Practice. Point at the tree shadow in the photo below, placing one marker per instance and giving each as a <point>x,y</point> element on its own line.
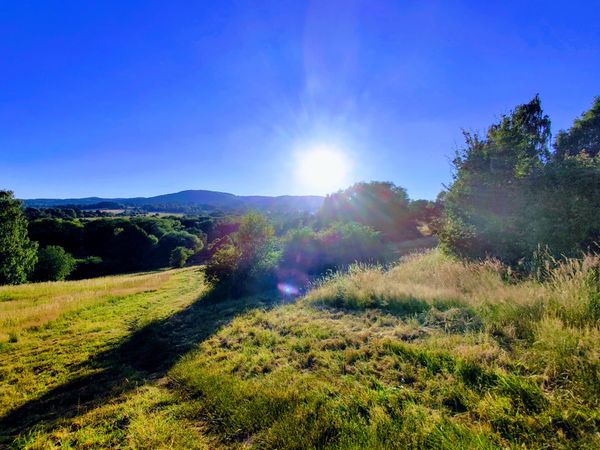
<point>147,354</point>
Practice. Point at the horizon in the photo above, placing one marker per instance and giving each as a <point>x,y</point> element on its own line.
<point>101,197</point>
<point>117,100</point>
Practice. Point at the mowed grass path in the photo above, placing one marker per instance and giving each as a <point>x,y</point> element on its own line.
<point>74,348</point>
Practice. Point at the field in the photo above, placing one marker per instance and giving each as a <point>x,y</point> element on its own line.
<point>432,353</point>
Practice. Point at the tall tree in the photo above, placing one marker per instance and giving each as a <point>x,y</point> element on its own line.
<point>17,252</point>
<point>583,136</point>
<point>485,204</point>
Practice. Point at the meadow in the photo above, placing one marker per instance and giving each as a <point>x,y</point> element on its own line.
<point>431,352</point>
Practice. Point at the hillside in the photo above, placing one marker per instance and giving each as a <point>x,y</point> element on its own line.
<point>199,198</point>
<point>432,353</point>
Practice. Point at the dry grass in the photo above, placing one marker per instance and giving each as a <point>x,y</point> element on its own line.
<point>31,306</point>
<point>432,353</point>
<point>432,279</point>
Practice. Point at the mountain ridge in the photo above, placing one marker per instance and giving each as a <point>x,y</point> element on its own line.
<point>193,198</point>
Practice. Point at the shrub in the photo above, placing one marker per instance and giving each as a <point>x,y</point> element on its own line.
<point>245,261</point>
<point>89,267</point>
<point>223,263</point>
<point>339,245</point>
<point>54,264</point>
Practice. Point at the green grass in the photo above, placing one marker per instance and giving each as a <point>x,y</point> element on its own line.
<point>431,353</point>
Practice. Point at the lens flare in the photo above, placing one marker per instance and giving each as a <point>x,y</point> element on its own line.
<point>287,289</point>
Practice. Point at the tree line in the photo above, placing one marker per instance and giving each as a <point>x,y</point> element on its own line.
<point>52,246</point>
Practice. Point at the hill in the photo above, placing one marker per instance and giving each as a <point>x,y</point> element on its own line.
<point>432,353</point>
<point>195,198</point>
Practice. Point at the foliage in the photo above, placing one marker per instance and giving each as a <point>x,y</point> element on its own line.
<point>54,264</point>
<point>583,136</point>
<point>382,206</point>
<point>179,256</point>
<point>113,245</point>
<point>89,267</point>
<point>173,239</point>
<point>131,247</point>
<point>245,261</point>
<point>511,195</point>
<point>224,263</point>
<point>338,245</point>
<point>67,234</point>
<point>17,252</point>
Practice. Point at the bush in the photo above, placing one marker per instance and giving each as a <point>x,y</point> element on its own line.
<point>245,261</point>
<point>54,264</point>
<point>223,264</point>
<point>339,245</point>
<point>179,256</point>
<point>89,267</point>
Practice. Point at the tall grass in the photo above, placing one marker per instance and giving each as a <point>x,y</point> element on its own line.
<point>431,280</point>
<point>432,352</point>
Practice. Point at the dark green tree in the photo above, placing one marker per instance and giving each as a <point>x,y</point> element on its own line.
<point>486,202</point>
<point>246,260</point>
<point>54,264</point>
<point>179,256</point>
<point>17,252</point>
<point>170,241</point>
<point>583,136</point>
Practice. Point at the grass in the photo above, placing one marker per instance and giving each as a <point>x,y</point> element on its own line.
<point>29,307</point>
<point>69,333</point>
<point>430,353</point>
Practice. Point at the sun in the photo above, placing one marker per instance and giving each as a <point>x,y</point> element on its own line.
<point>322,169</point>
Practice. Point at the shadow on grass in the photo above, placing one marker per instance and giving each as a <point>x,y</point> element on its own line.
<point>147,354</point>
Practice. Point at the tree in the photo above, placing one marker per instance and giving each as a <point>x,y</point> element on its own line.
<point>486,203</point>
<point>511,196</point>
<point>382,206</point>
<point>132,247</point>
<point>583,136</point>
<point>179,256</point>
<point>54,264</point>
<point>174,239</point>
<point>245,261</point>
<point>67,234</point>
<point>253,237</point>
<point>17,252</point>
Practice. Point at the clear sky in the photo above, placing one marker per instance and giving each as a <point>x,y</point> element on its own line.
<point>138,98</point>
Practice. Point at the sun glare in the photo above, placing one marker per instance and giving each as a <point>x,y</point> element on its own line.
<point>322,170</point>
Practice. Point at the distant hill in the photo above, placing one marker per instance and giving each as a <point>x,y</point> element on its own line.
<point>193,198</point>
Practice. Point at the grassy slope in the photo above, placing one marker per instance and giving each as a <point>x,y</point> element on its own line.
<point>431,353</point>
<point>70,360</point>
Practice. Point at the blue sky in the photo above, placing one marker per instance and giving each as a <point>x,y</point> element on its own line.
<point>139,98</point>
